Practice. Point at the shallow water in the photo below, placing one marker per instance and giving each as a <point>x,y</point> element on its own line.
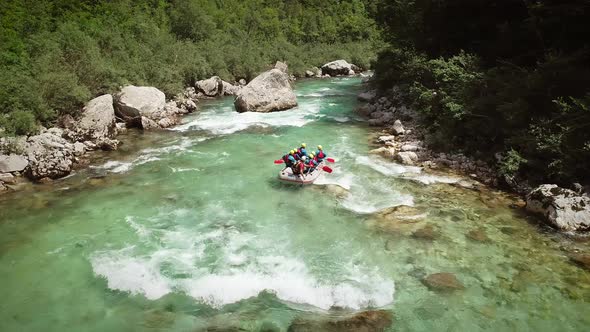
<point>189,229</point>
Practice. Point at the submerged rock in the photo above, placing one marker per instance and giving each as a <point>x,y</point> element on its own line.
<point>426,233</point>
<point>268,92</point>
<point>478,235</point>
<point>561,208</point>
<point>442,282</point>
<point>366,321</point>
<point>582,260</point>
<point>339,68</point>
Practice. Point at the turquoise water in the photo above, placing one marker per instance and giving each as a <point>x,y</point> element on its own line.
<point>189,230</point>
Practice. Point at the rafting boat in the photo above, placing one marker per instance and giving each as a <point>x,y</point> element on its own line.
<point>288,176</point>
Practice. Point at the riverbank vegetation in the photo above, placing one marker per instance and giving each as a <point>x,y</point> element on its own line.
<point>506,81</point>
<point>56,55</point>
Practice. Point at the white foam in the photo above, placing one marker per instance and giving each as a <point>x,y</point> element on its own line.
<point>343,180</point>
<point>291,281</point>
<point>227,121</point>
<point>130,274</point>
<point>432,178</point>
<point>245,268</point>
<point>386,167</point>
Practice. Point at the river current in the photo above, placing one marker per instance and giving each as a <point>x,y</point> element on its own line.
<point>189,229</point>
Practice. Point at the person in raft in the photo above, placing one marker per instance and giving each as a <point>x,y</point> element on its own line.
<point>312,163</point>
<point>289,159</point>
<point>299,167</point>
<point>302,151</point>
<point>320,154</point>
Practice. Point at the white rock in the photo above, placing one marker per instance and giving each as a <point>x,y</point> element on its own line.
<point>136,102</point>
<point>12,163</point>
<point>339,68</point>
<point>409,147</point>
<point>211,87</point>
<point>385,139</point>
<point>561,208</point>
<point>388,152</point>
<point>406,158</point>
<point>397,128</point>
<point>96,122</point>
<point>268,92</point>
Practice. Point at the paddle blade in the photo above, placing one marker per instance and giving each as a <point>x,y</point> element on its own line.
<point>327,169</point>
<point>280,161</point>
<point>331,160</point>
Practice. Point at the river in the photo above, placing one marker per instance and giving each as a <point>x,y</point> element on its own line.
<point>189,229</point>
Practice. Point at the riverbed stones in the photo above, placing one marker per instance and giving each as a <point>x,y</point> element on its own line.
<point>366,321</point>
<point>339,68</point>
<point>387,152</point>
<point>561,208</point>
<point>442,282</point>
<point>268,92</point>
<point>96,122</point>
<point>12,163</point>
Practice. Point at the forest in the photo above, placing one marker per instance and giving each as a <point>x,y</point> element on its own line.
<point>505,81</point>
<point>57,54</point>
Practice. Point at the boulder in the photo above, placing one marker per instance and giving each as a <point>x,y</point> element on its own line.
<point>7,178</point>
<point>268,92</point>
<point>397,128</point>
<point>386,138</point>
<point>309,73</point>
<point>366,321</point>
<point>281,66</point>
<point>136,102</point>
<point>96,123</point>
<point>582,260</point>
<point>12,163</point>
<point>230,89</point>
<point>442,282</point>
<point>407,157</point>
<point>147,123</point>
<point>339,68</point>
<point>242,82</point>
<point>561,208</point>
<point>367,96</point>
<point>425,233</point>
<point>211,87</point>
<point>50,156</point>
<point>409,147</point>
<point>187,100</point>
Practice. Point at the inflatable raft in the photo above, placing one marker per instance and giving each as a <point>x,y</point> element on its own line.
<point>287,175</point>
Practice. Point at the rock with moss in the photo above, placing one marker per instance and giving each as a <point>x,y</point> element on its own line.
<point>268,92</point>
<point>559,207</point>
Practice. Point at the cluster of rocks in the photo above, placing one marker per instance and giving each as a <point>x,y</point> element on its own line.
<point>564,209</point>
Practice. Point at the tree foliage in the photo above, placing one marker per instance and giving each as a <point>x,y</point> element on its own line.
<point>57,54</point>
<point>497,76</point>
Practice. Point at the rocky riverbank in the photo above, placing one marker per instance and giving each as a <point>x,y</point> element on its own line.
<point>54,152</point>
<point>402,138</point>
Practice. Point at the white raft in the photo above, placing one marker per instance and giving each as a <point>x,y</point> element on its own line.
<point>288,176</point>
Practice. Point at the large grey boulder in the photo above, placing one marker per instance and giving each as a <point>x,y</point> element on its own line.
<point>12,163</point>
<point>230,89</point>
<point>268,92</point>
<point>398,128</point>
<point>134,104</point>
<point>561,208</point>
<point>406,157</point>
<point>49,155</point>
<point>211,87</point>
<point>339,68</point>
<point>97,123</point>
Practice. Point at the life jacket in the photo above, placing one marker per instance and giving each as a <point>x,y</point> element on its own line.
<point>302,152</point>
<point>286,158</point>
<point>321,154</point>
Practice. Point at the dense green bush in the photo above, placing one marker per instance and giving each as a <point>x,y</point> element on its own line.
<point>494,77</point>
<point>57,54</point>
